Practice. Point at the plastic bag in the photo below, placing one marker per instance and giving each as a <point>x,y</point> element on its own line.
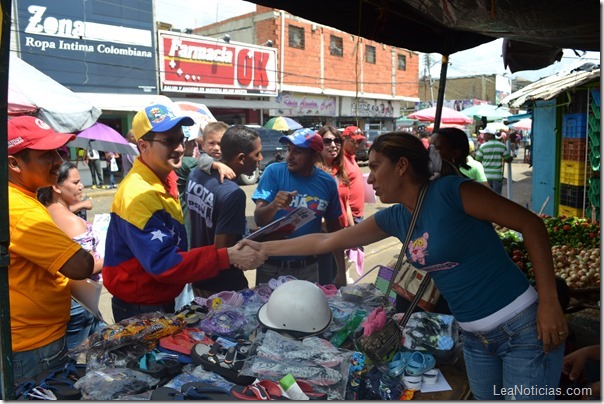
<point>226,321</point>
<point>143,328</point>
<point>110,383</point>
<point>113,165</point>
<point>431,331</point>
<point>434,332</point>
<point>199,374</point>
<point>313,360</point>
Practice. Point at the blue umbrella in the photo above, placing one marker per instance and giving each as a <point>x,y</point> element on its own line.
<point>492,112</point>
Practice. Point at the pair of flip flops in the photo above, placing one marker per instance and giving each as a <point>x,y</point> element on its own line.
<point>160,365</point>
<point>268,390</point>
<point>191,391</point>
<point>261,390</point>
<point>184,340</point>
<point>227,362</point>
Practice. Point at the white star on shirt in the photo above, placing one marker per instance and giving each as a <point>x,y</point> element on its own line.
<point>158,235</point>
<point>172,232</point>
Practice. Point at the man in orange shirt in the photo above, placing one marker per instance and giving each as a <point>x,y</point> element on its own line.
<point>353,137</point>
<point>42,257</point>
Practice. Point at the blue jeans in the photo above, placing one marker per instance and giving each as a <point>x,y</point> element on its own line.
<point>122,310</point>
<point>81,324</point>
<point>96,172</point>
<point>496,185</point>
<point>509,363</point>
<point>33,362</point>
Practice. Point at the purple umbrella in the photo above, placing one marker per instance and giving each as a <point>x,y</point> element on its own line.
<point>104,138</point>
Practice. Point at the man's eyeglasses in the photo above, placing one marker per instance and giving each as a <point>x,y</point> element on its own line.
<point>328,141</point>
<point>170,142</point>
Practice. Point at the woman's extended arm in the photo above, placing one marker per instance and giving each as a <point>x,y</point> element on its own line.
<point>364,233</point>
<point>484,204</point>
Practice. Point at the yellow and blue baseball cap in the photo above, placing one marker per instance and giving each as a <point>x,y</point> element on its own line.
<point>157,118</point>
<point>305,138</point>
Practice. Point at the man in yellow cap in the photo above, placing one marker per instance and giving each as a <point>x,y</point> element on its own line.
<point>147,263</point>
<point>42,257</point>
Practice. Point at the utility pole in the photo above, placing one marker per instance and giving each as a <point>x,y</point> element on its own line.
<point>428,76</point>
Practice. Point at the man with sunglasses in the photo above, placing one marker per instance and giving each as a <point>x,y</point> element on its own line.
<point>353,137</point>
<point>147,263</point>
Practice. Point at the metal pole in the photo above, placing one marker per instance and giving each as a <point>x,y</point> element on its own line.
<point>507,144</point>
<point>441,92</point>
<point>6,353</point>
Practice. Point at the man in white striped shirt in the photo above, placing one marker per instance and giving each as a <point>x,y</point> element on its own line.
<point>492,153</point>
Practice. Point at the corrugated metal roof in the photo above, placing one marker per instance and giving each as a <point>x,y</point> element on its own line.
<point>550,87</point>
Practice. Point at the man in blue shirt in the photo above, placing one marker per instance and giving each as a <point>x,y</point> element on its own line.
<point>288,185</point>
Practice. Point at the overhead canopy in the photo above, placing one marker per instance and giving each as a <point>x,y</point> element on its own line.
<point>245,104</point>
<point>124,102</point>
<point>550,87</point>
<point>33,92</point>
<point>449,26</point>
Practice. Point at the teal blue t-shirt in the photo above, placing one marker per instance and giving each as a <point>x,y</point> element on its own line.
<point>464,255</point>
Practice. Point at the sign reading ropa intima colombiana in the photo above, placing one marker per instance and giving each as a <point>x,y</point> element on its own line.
<point>90,46</point>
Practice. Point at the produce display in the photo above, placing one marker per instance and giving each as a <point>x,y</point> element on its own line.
<point>575,248</point>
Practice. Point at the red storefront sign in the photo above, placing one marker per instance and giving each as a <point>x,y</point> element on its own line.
<point>195,64</point>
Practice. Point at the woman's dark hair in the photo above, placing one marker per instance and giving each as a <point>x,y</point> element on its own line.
<point>395,145</point>
<point>45,194</point>
<point>456,140</point>
<point>338,162</point>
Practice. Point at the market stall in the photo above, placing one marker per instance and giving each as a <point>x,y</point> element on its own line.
<point>230,342</point>
<point>292,337</point>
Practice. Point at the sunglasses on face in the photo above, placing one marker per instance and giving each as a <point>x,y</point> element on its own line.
<point>170,142</point>
<point>328,141</point>
<point>359,141</point>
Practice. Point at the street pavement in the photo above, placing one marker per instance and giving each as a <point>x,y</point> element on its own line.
<point>380,253</point>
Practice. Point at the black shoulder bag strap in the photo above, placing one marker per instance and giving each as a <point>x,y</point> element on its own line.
<point>403,257</point>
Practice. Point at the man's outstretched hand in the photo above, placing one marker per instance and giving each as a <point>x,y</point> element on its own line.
<point>245,257</point>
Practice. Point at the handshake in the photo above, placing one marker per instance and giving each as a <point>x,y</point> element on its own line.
<point>247,254</point>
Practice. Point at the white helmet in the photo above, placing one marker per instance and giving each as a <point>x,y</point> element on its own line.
<point>297,306</point>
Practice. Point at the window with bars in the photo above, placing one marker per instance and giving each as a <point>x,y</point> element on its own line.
<point>336,46</point>
<point>296,37</point>
<point>370,54</point>
<point>402,62</point>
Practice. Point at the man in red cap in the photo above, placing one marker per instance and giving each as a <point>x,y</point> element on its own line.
<point>42,257</point>
<point>353,137</point>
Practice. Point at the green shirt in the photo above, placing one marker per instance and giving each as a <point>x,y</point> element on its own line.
<point>491,154</point>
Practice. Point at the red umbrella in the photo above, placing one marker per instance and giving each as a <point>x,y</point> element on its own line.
<point>430,127</point>
<point>523,124</point>
<point>449,115</point>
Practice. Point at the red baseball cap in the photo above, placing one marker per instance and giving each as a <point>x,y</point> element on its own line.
<point>354,132</point>
<point>29,132</point>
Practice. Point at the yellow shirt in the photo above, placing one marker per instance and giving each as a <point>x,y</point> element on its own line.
<point>40,298</point>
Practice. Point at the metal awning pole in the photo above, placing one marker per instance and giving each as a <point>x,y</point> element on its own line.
<point>6,353</point>
<point>441,92</point>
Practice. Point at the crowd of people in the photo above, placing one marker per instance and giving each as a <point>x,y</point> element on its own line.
<point>176,225</point>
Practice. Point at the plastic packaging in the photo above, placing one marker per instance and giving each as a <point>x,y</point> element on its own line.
<point>111,383</point>
<point>291,388</point>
